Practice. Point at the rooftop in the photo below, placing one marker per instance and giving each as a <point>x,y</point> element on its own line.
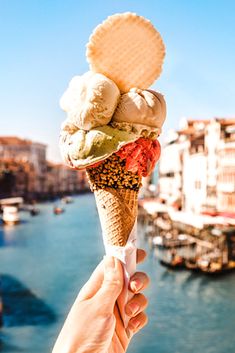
<point>17,141</point>
<point>226,122</point>
<point>198,126</point>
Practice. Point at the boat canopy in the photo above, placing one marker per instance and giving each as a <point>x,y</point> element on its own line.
<point>11,201</point>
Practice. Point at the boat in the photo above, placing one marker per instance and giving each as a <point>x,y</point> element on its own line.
<point>176,263</point>
<point>67,199</point>
<point>34,211</point>
<point>58,210</point>
<point>168,256</point>
<point>191,264</point>
<point>10,215</point>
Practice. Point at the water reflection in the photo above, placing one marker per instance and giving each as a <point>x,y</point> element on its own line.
<point>4,344</point>
<point>21,306</point>
<point>7,235</point>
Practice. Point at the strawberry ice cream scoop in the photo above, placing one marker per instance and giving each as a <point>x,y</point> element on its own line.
<point>141,156</point>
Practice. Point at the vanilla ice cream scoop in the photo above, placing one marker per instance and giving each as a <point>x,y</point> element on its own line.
<point>138,107</point>
<point>90,100</point>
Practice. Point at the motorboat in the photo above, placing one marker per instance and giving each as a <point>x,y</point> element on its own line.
<point>58,210</point>
<point>10,215</point>
<point>67,199</point>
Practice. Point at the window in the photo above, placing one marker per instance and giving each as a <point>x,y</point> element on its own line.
<point>198,184</point>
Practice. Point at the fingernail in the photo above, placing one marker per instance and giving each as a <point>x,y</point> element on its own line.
<point>135,324</point>
<point>109,262</point>
<point>132,309</point>
<point>136,285</point>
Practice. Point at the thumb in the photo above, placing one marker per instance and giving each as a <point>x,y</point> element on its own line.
<point>112,283</point>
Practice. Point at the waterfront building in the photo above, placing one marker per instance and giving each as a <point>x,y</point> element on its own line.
<point>25,172</point>
<point>62,179</point>
<point>226,167</point>
<point>197,167</point>
<point>16,178</point>
<point>26,161</point>
<point>194,162</point>
<point>82,181</point>
<point>170,171</point>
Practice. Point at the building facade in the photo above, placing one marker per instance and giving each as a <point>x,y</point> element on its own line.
<point>197,167</point>
<point>30,155</point>
<point>64,180</point>
<point>25,172</point>
<point>226,168</point>
<point>170,172</point>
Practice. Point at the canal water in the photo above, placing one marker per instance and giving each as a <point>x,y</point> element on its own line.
<point>44,261</point>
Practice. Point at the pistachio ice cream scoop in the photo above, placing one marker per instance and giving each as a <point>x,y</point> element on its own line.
<point>80,148</point>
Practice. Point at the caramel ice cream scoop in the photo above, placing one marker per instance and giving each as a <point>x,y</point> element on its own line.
<point>144,108</point>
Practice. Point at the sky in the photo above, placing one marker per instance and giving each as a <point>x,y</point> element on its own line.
<point>42,46</point>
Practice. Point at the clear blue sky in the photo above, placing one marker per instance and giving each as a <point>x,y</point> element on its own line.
<point>42,45</point>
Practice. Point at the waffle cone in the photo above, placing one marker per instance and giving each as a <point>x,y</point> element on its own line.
<point>117,210</point>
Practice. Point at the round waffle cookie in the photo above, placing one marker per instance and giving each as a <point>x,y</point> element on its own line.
<point>127,49</point>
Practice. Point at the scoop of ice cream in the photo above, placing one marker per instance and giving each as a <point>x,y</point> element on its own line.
<point>140,107</point>
<point>80,148</point>
<point>90,100</point>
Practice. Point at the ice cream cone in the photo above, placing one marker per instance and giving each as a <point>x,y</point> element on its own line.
<point>117,212</point>
<point>113,136</point>
<point>116,194</point>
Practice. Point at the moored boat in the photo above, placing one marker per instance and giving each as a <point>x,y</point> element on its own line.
<point>34,211</point>
<point>58,210</point>
<point>10,215</point>
<point>67,199</point>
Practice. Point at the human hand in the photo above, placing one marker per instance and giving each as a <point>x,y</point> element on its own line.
<point>94,324</point>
